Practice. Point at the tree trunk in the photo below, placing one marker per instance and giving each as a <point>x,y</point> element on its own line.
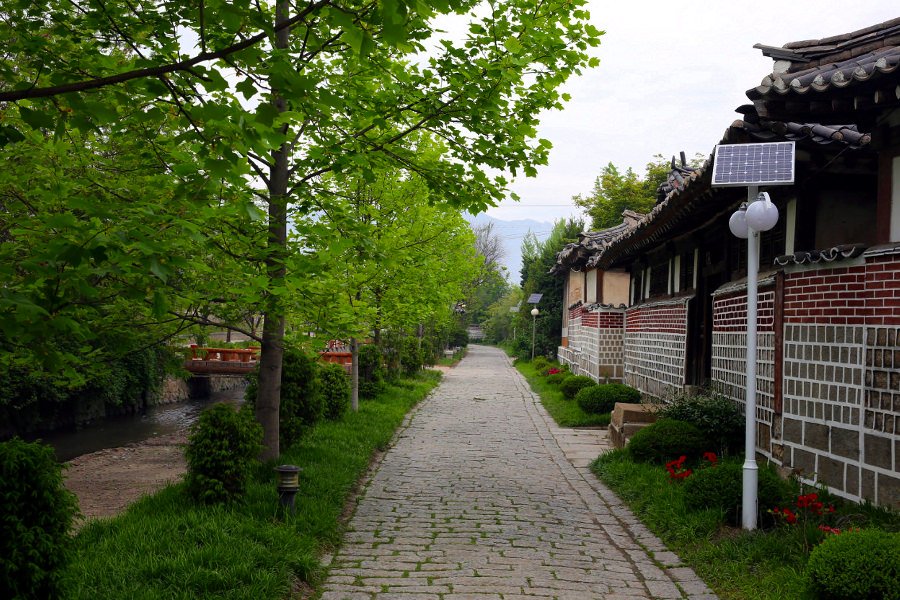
<point>354,374</point>
<point>268,399</point>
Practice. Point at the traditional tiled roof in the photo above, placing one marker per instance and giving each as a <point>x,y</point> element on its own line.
<point>766,130</point>
<point>694,191</point>
<point>818,66</point>
<point>833,62</point>
<point>842,252</point>
<point>591,243</point>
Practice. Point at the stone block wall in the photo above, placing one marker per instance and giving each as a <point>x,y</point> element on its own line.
<point>595,339</point>
<point>729,354</point>
<point>841,383</point>
<point>654,346</point>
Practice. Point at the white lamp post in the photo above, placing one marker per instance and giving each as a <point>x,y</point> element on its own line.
<point>534,314</point>
<point>756,215</point>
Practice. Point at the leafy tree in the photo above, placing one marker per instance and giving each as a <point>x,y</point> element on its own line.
<point>398,258</point>
<point>490,283</point>
<point>537,259</point>
<point>615,192</point>
<point>326,86</point>
<point>499,326</point>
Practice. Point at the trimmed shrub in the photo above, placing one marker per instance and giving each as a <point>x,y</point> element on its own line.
<point>371,371</point>
<point>221,450</point>
<point>666,440</point>
<point>571,385</point>
<point>35,521</point>
<point>335,387</point>
<point>716,416</point>
<point>411,359</point>
<point>600,399</point>
<point>302,403</point>
<point>862,565</point>
<point>721,487</point>
<point>557,378</point>
<point>540,363</point>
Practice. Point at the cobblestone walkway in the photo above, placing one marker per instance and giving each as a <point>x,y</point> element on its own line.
<point>477,501</point>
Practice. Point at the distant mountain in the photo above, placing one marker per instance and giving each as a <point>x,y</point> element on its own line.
<point>512,233</point>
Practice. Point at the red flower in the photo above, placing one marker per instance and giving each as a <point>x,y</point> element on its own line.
<point>553,371</point>
<point>828,529</point>
<point>711,457</point>
<point>789,516</point>
<point>674,467</point>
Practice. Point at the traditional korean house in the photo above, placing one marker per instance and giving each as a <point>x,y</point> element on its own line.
<point>828,358</point>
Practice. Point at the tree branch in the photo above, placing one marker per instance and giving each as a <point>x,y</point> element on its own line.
<point>184,65</point>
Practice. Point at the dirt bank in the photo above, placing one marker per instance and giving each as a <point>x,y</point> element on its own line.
<point>107,481</point>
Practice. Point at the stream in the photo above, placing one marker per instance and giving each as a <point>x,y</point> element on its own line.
<point>130,429</point>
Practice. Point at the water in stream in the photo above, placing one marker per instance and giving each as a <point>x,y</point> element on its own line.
<point>130,429</point>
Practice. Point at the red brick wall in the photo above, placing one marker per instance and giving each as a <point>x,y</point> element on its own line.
<point>883,287</point>
<point>730,313</point>
<point>659,319</point>
<point>862,295</point>
<point>838,296</point>
<point>610,320</point>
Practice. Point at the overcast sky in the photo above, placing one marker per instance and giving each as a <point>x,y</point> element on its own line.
<point>670,76</point>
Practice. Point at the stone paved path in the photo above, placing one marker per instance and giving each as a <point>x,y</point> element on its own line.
<point>476,500</point>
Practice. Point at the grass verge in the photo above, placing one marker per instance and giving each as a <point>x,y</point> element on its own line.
<point>737,565</point>
<point>166,546</point>
<point>565,412</point>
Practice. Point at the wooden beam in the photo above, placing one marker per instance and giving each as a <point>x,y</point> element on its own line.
<point>883,198</point>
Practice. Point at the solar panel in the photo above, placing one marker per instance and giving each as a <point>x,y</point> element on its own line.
<point>534,298</point>
<point>754,164</point>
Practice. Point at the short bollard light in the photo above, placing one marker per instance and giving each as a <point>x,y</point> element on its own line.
<point>288,485</point>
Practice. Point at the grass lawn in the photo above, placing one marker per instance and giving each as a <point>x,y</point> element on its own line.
<point>166,546</point>
<point>761,565</point>
<point>565,412</point>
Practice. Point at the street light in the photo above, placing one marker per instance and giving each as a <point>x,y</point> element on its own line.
<point>756,215</point>
<point>534,314</point>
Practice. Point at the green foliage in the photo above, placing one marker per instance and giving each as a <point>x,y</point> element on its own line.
<point>411,356</point>
<point>565,412</point>
<point>721,487</point>
<point>222,447</point>
<point>37,514</point>
<point>148,212</point>
<point>167,546</point>
<point>570,386</point>
<point>459,337</point>
<point>302,403</point>
<point>540,363</point>
<point>602,398</point>
<point>556,378</point>
<point>498,327</point>
<point>862,565</point>
<point>763,565</point>
<point>615,192</point>
<point>716,416</point>
<point>371,371</point>
<point>335,387</point>
<point>537,259</point>
<point>32,398</point>
<point>666,440</point>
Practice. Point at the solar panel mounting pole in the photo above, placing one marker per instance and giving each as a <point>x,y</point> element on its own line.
<point>751,470</point>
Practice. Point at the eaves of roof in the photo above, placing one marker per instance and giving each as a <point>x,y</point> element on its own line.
<point>765,130</point>
<point>696,193</point>
<point>842,71</point>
